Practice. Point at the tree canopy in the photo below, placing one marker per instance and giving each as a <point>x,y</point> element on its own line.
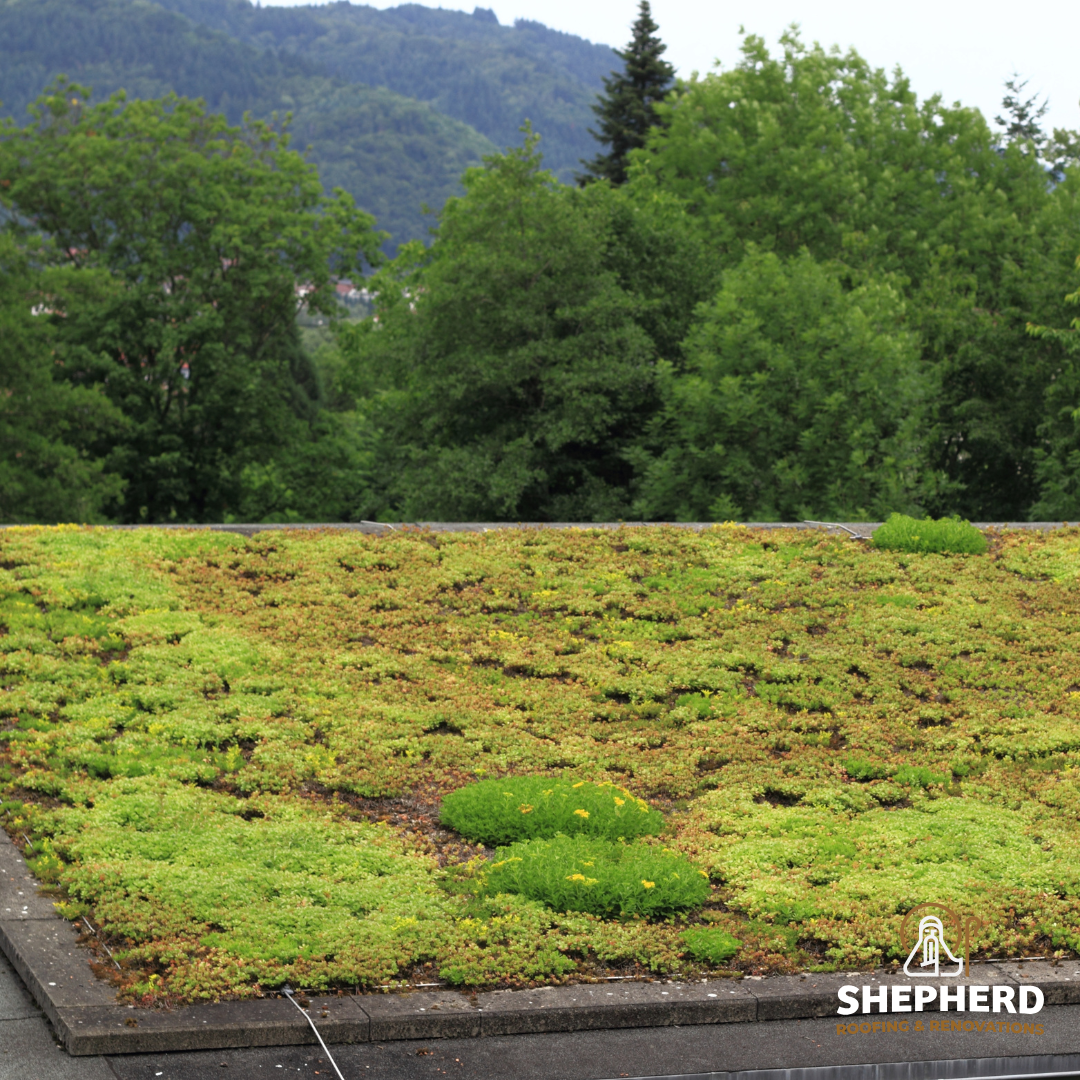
<point>799,398</point>
<point>815,295</point>
<point>515,360</point>
<point>48,427</point>
<point>205,232</point>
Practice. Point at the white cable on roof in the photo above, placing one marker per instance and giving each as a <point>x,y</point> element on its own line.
<point>289,994</point>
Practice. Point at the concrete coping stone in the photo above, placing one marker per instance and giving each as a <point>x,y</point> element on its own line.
<point>89,1020</point>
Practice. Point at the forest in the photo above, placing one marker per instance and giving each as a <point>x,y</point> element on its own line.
<point>393,105</point>
<point>792,289</point>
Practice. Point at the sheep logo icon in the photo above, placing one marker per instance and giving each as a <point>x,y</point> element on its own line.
<point>930,956</point>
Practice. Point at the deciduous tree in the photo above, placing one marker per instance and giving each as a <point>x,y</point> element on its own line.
<point>208,232</point>
<point>801,399</point>
<point>808,148</point>
<point>48,471</point>
<point>512,365</point>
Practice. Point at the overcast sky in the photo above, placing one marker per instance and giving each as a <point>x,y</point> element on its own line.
<point>963,50</point>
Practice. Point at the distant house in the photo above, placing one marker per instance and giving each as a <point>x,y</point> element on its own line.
<point>349,293</point>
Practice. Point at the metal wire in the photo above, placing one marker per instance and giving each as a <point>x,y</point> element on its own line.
<point>287,990</point>
<point>837,525</point>
<point>101,943</point>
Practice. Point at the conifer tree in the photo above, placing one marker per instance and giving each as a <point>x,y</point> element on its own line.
<point>626,110</point>
<point>1022,115</point>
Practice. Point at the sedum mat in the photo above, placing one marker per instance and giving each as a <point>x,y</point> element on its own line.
<point>226,753</point>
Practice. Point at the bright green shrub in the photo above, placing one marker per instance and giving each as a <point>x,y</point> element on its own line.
<point>945,536</point>
<point>919,776</point>
<point>858,769</point>
<point>710,944</point>
<point>521,808</point>
<point>602,877</point>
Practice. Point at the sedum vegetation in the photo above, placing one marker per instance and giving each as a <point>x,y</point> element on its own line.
<point>208,742</point>
<point>572,873</point>
<point>521,808</point>
<point>951,535</point>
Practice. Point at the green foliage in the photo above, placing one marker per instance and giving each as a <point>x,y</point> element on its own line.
<point>946,536</point>
<point>527,807</point>
<point>204,231</point>
<point>1058,459</point>
<point>697,703</point>
<point>48,427</point>
<point>865,770</point>
<point>511,367</point>
<point>809,299</point>
<point>626,108</point>
<point>919,776</point>
<point>711,944</point>
<point>776,414</point>
<point>810,148</point>
<point>579,873</point>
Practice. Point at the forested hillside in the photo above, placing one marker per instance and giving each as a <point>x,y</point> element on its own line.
<point>469,67</point>
<point>394,104</point>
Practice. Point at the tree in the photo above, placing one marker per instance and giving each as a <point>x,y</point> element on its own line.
<point>207,232</point>
<point>512,365</point>
<point>627,109</point>
<point>815,149</point>
<point>801,399</point>
<point>48,472</point>
<point>1058,459</point>
<point>1022,115</point>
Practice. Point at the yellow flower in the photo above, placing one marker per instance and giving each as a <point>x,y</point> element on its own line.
<point>703,874</point>
<point>580,783</point>
<point>525,808</point>
<point>581,813</point>
<point>576,877</point>
<point>648,884</point>
<point>618,801</point>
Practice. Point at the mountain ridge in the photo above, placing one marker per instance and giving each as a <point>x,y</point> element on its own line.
<point>455,61</point>
<point>394,152</point>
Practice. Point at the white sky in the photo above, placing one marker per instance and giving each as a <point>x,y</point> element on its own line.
<point>964,50</point>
